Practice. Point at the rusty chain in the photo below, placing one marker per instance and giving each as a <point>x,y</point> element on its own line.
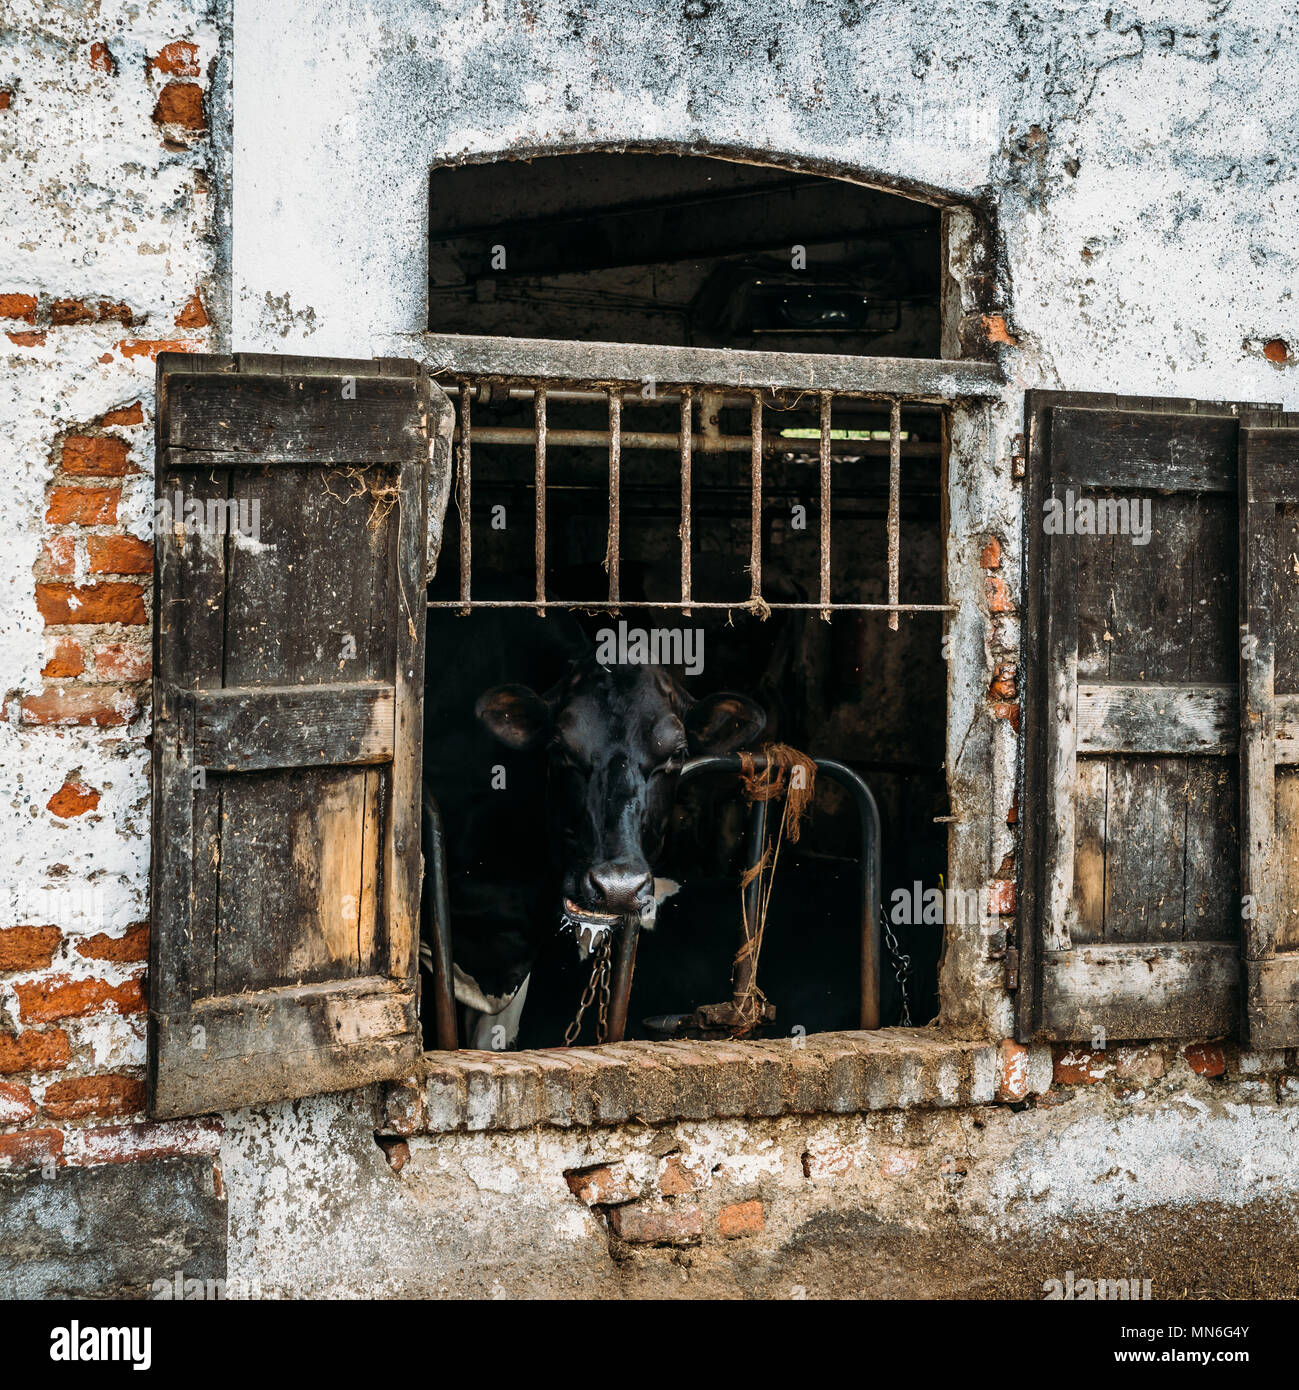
<point>597,985</point>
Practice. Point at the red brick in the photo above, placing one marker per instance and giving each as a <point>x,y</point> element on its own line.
<point>999,600</point>
<point>129,1143</point>
<point>6,98</point>
<point>178,59</point>
<point>675,1179</point>
<point>60,997</point>
<point>100,1097</point>
<point>96,456</point>
<point>119,661</point>
<point>1076,1066</point>
<point>28,948</point>
<point>740,1219</point>
<point>31,1148</point>
<point>18,306</point>
<point>1004,684</point>
<point>675,1223</point>
<point>101,59</point>
<point>1001,897</point>
<point>27,339</point>
<point>132,945</point>
<point>72,799</point>
<point>602,1186</point>
<point>61,604</point>
<point>82,506</point>
<point>1012,1071</point>
<point>32,1051</point>
<point>997,331</point>
<point>119,555</point>
<point>151,347</point>
<point>16,1104</point>
<point>123,313</point>
<point>1139,1063</point>
<point>132,414</point>
<point>990,556</point>
<point>97,706</point>
<point>1008,712</point>
<point>1207,1059</point>
<point>69,311</point>
<point>193,315</point>
<point>181,103</point>
<point>59,554</point>
<point>65,658</point>
<point>1278,350</point>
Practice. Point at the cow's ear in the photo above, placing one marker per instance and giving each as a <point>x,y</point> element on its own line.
<point>519,717</point>
<point>722,723</point>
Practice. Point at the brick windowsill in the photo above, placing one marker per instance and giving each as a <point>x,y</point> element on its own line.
<point>661,1082</point>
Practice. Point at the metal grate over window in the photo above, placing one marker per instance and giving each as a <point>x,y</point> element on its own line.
<point>844,428</point>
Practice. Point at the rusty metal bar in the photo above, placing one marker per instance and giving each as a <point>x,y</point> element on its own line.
<point>687,464</point>
<point>825,506</point>
<point>624,964</point>
<point>463,494</point>
<point>597,605</point>
<point>755,504</point>
<point>895,506</point>
<point>613,556</point>
<point>539,404</point>
<point>435,926</point>
<point>701,442</point>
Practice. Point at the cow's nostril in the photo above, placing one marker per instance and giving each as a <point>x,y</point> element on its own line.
<point>620,887</point>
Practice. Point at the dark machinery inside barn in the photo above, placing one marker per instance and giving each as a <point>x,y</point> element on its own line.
<point>646,249</point>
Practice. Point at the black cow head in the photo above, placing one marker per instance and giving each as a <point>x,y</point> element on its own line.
<point>616,738</point>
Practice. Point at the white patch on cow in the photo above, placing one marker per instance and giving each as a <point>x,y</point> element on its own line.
<point>468,993</point>
<point>664,888</point>
<point>482,1029</point>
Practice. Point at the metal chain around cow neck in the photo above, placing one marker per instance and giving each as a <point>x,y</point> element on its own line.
<point>596,986</point>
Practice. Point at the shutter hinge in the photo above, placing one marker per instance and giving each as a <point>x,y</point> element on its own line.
<point>1018,456</point>
<point>1010,967</point>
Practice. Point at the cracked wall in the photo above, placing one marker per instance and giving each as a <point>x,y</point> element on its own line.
<point>1138,166</point>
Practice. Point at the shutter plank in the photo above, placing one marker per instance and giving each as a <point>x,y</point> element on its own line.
<point>1269,566</point>
<point>290,672</point>
<point>242,729</point>
<point>297,418</point>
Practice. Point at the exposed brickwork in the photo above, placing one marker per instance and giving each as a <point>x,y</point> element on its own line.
<point>72,799</point>
<point>675,1223</point>
<point>1207,1059</point>
<point>16,1103</point>
<point>101,456</point>
<point>68,604</point>
<point>119,555</point>
<point>181,104</point>
<point>740,1219</point>
<point>132,945</point>
<point>34,1051</point>
<point>31,1148</point>
<point>28,948</point>
<point>93,1097</point>
<point>60,997</point>
<point>82,506</point>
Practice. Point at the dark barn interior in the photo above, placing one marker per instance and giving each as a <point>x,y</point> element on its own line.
<point>698,252</point>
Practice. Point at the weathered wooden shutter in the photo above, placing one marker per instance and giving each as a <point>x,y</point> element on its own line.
<point>1131,910</point>
<point>289,660</point>
<point>1269,611</point>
